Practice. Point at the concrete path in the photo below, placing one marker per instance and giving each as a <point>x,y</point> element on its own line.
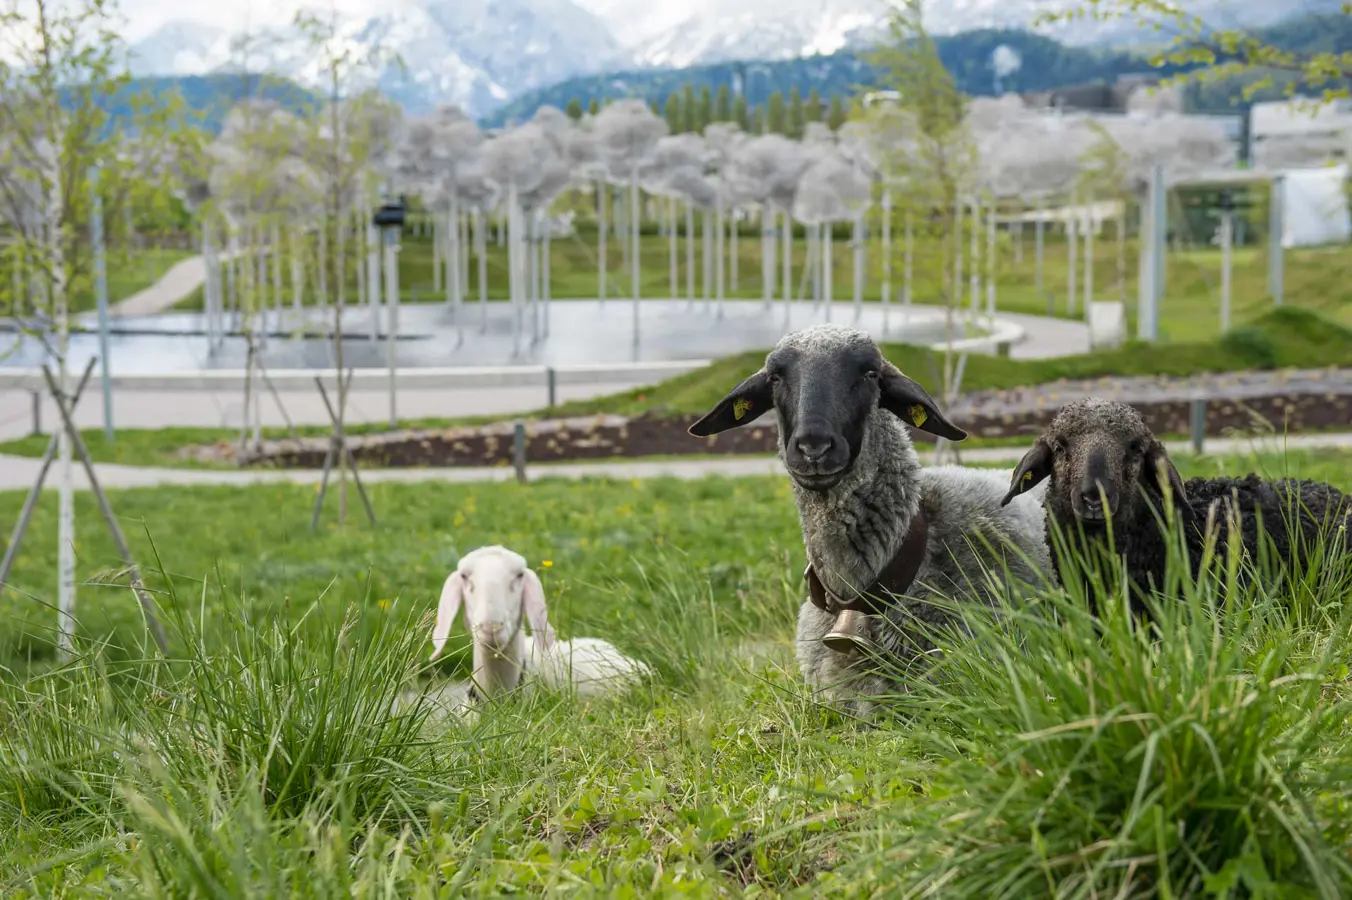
<point>182,279</point>
<point>18,473</point>
<point>225,408</point>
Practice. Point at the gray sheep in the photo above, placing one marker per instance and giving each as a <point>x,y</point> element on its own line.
<point>1098,452</point>
<point>873,519</point>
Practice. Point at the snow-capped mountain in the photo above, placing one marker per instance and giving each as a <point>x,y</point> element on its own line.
<point>474,53</point>
<point>481,53</point>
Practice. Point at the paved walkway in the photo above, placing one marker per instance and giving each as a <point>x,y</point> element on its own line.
<point>18,473</point>
<point>182,279</point>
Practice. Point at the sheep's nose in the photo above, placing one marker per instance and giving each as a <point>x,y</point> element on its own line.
<point>814,447</point>
<point>1092,496</point>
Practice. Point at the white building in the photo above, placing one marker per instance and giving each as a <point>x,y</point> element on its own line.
<point>1300,133</point>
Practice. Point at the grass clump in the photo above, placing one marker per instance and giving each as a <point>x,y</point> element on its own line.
<point>1201,752</point>
<point>291,745</point>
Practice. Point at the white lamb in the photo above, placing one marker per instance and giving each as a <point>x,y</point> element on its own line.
<point>495,587</point>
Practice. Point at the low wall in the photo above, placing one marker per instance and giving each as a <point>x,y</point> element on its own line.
<point>599,437</point>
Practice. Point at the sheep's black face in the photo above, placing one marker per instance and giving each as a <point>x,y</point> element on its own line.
<point>824,399</point>
<point>825,382</point>
<point>1103,462</point>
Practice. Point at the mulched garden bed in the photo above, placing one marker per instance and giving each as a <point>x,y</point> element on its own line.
<point>1245,402</point>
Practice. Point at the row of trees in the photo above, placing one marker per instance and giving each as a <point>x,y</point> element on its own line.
<point>689,111</point>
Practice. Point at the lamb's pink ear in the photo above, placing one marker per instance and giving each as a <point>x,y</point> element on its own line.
<point>533,601</point>
<point>449,607</point>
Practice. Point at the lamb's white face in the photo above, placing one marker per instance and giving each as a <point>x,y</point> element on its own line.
<point>493,597</point>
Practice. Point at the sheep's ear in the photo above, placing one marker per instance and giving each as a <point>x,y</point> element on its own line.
<point>742,404</point>
<point>908,401</point>
<point>451,594</point>
<point>1035,466</point>
<point>533,600</point>
<point>1160,470</point>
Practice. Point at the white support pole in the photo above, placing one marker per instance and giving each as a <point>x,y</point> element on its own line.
<point>690,253</point>
<point>732,250</point>
<point>827,278</point>
<point>601,200</point>
<point>1039,230</point>
<point>1072,259</point>
<point>391,236</point>
<point>1152,245</point>
<point>720,271</point>
<point>1276,232</point>
<point>990,261</point>
<point>372,237</point>
<point>768,245</point>
<point>438,257</point>
<point>297,273</point>
<point>957,253</point>
<point>481,239</point>
<point>974,270</point>
<point>1088,257</point>
<point>101,298</point>
<point>887,260</point>
<point>634,260</point>
<point>1227,241</point>
<point>786,238</point>
<point>907,262</point>
<point>858,245</point>
<point>673,248</point>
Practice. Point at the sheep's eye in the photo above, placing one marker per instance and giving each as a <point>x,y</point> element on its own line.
<point>776,378</point>
<point>1134,448</point>
<point>1059,449</point>
<point>871,374</point>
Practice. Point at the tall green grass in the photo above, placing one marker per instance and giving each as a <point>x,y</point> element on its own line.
<point>1048,752</point>
<point>1200,750</point>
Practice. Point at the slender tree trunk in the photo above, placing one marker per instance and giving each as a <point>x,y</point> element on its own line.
<point>481,241</point>
<point>601,201</point>
<point>297,275</point>
<point>732,250</point>
<point>690,253</point>
<point>65,565</point>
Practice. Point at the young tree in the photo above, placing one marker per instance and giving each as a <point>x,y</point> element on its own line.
<point>1212,54</point>
<point>574,109</point>
<point>812,108</point>
<point>593,107</point>
<point>796,121</point>
<point>774,115</point>
<point>756,121</point>
<point>704,113</point>
<point>923,148</point>
<point>689,110</point>
<point>723,104</point>
<point>740,114</point>
<point>354,132</point>
<point>672,113</point>
<point>835,115</point>
<point>59,72</point>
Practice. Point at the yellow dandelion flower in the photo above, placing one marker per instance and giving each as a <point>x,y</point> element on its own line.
<point>547,563</point>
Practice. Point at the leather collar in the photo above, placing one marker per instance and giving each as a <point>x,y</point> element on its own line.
<point>895,578</point>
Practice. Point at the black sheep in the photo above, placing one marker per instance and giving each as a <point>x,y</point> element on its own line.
<point>1099,452</point>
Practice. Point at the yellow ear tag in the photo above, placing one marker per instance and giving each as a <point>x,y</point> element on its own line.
<point>918,415</point>
<point>740,408</point>
<point>1027,477</point>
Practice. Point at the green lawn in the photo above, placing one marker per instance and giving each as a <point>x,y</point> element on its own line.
<point>1281,339</point>
<point>264,760</point>
<point>1316,278</point>
<point>127,275</point>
